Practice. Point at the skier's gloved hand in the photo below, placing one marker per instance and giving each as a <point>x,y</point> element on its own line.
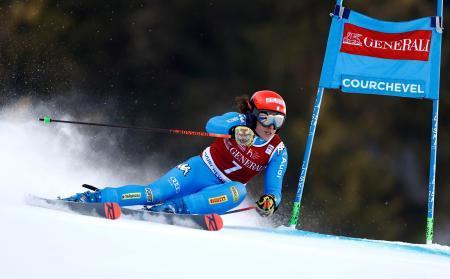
<point>266,205</point>
<point>243,135</point>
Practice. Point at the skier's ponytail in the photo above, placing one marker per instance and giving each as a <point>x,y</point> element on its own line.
<point>242,103</point>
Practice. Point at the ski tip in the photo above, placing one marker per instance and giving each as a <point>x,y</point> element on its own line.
<point>112,210</point>
<point>213,222</point>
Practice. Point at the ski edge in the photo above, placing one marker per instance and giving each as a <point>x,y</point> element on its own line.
<point>210,222</point>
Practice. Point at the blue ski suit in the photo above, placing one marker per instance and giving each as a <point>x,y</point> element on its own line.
<point>194,182</point>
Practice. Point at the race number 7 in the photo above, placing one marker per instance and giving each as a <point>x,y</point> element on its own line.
<point>235,168</point>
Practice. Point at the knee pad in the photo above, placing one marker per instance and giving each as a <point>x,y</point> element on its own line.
<point>238,191</point>
<point>216,199</point>
<point>109,194</point>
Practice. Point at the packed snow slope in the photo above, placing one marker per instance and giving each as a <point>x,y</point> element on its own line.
<point>44,243</point>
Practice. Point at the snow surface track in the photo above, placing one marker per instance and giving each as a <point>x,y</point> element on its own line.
<point>43,243</point>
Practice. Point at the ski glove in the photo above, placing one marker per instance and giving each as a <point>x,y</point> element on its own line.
<point>243,135</point>
<point>266,205</point>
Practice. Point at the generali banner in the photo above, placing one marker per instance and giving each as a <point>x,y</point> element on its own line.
<point>414,45</point>
<point>370,56</point>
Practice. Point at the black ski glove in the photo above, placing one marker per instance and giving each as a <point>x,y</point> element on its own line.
<point>266,205</point>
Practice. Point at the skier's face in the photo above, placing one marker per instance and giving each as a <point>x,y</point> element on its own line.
<point>265,132</point>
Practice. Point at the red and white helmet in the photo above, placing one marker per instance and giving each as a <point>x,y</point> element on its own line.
<point>267,100</point>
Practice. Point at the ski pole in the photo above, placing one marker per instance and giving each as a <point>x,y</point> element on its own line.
<point>47,120</point>
<point>239,210</point>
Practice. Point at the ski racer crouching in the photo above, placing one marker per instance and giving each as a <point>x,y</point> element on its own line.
<point>214,182</point>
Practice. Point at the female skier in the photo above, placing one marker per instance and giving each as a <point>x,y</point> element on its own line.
<point>214,182</point>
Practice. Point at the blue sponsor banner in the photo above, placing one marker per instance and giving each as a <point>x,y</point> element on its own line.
<point>384,58</point>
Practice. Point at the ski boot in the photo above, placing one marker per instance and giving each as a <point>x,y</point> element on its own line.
<point>173,206</point>
<point>86,197</point>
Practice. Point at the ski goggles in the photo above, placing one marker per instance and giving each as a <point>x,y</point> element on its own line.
<point>267,118</point>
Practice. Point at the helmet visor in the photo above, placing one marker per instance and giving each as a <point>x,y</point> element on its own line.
<point>267,118</point>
